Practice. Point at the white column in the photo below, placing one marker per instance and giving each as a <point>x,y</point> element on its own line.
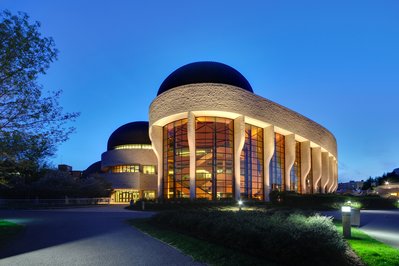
<point>316,167</point>
<point>324,171</point>
<point>191,146</point>
<point>330,183</point>
<point>305,164</point>
<point>289,159</point>
<point>239,140</point>
<point>335,175</point>
<point>268,148</point>
<point>156,136</point>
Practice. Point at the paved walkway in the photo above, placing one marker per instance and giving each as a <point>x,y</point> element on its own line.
<point>382,225</point>
<point>85,236</point>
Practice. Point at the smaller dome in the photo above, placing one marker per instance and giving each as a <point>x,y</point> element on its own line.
<point>205,72</point>
<point>131,133</point>
<point>94,168</point>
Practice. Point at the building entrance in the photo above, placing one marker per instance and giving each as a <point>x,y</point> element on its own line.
<point>126,195</point>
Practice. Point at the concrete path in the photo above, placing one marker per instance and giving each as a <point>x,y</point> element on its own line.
<point>382,225</point>
<point>85,236</point>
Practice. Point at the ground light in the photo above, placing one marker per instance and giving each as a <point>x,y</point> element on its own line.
<point>240,205</point>
<point>346,221</point>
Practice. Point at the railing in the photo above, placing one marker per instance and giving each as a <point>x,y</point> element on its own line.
<point>53,202</point>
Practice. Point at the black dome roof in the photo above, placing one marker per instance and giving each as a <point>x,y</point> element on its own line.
<point>94,168</point>
<point>204,72</point>
<point>131,133</point>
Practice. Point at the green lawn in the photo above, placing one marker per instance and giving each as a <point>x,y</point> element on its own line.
<point>371,251</point>
<point>7,231</point>
<point>200,250</point>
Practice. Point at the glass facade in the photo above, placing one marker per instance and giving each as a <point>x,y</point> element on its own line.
<point>125,169</point>
<point>295,175</point>
<point>176,160</point>
<point>214,162</point>
<point>214,139</point>
<point>277,163</point>
<point>251,160</point>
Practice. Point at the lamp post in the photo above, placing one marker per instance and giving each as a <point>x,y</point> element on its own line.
<point>346,221</point>
<point>239,205</point>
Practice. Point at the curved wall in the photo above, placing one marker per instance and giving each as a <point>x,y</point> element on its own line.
<point>226,101</point>
<point>127,157</point>
<point>138,181</point>
<point>226,98</point>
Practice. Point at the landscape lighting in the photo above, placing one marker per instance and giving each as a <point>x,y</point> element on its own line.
<point>239,205</point>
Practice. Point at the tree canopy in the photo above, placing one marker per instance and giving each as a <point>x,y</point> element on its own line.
<point>32,122</point>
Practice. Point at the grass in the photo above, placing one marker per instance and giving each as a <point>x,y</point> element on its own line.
<point>8,230</point>
<point>371,251</point>
<point>200,250</point>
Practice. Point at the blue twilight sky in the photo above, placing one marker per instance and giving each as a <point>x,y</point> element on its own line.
<point>336,62</point>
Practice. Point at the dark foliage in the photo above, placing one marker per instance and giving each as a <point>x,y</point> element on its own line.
<point>57,184</point>
<point>286,238</point>
<point>32,123</point>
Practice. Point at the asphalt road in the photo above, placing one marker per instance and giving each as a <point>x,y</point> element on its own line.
<point>382,225</point>
<point>85,236</point>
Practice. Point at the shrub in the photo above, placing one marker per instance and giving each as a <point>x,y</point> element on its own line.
<point>286,238</point>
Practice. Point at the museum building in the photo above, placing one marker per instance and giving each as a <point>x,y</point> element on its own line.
<point>210,136</point>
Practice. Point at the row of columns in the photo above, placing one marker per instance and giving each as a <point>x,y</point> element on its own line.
<point>322,165</point>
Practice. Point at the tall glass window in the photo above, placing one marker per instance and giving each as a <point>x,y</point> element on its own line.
<point>277,163</point>
<point>176,160</point>
<point>214,138</point>
<point>251,160</point>
<point>295,174</point>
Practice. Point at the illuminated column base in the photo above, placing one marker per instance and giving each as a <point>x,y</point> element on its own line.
<point>289,159</point>
<point>191,146</point>
<point>156,137</point>
<point>268,147</point>
<point>316,167</point>
<point>324,171</point>
<point>305,164</point>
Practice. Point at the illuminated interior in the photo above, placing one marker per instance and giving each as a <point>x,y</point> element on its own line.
<point>133,147</point>
<point>251,159</point>
<point>176,181</point>
<point>295,174</point>
<point>214,157</point>
<point>125,169</point>
<point>149,169</point>
<point>277,163</point>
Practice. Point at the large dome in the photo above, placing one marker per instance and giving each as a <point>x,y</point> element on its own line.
<point>205,72</point>
<point>131,133</point>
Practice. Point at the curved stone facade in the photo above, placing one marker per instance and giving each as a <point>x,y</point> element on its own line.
<point>238,102</point>
<point>225,101</point>
<point>127,157</point>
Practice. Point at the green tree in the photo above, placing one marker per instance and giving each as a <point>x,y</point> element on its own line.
<point>32,122</point>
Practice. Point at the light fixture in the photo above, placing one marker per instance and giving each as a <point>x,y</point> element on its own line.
<point>346,208</point>
<point>239,205</point>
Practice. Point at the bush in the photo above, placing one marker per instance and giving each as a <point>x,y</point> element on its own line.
<point>328,201</point>
<point>285,238</point>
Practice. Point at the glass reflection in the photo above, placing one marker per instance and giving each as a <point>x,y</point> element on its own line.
<point>214,157</point>
<point>176,160</point>
<point>251,159</point>
<point>277,163</point>
<point>295,174</point>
